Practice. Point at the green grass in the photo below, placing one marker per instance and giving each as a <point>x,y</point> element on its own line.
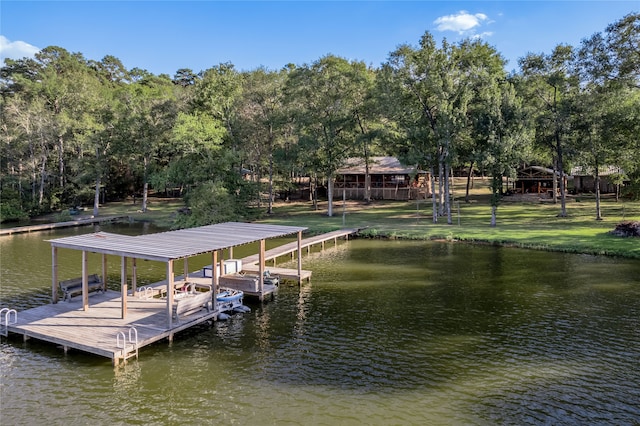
<point>534,225</point>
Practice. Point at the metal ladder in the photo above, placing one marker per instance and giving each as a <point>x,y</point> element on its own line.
<point>5,320</point>
<point>122,342</point>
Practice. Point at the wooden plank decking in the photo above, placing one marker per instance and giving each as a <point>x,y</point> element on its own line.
<point>250,263</point>
<point>96,330</point>
<point>67,224</point>
<point>292,247</point>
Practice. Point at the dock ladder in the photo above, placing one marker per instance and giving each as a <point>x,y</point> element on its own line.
<point>122,343</point>
<point>6,315</point>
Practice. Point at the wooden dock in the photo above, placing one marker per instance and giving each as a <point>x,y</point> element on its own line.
<point>101,330</point>
<point>250,263</point>
<point>292,247</point>
<point>67,224</point>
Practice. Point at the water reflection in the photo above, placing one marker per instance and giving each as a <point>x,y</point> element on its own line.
<point>387,332</point>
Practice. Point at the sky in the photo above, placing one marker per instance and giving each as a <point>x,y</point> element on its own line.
<point>165,36</point>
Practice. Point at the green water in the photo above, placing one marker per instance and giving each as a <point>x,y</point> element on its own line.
<point>386,333</point>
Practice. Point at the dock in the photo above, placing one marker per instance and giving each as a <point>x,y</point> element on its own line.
<point>101,330</point>
<point>292,247</point>
<point>116,324</point>
<point>56,225</point>
<point>250,263</point>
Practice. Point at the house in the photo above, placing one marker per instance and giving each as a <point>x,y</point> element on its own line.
<point>388,180</point>
<point>536,180</point>
<point>584,180</point>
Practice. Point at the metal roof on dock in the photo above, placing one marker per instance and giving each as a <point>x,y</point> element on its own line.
<point>171,245</point>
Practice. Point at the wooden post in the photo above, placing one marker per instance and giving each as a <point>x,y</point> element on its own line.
<point>123,287</point>
<point>170,292</point>
<point>134,276</point>
<point>214,277</point>
<point>104,272</point>
<point>54,274</point>
<point>299,257</point>
<point>85,281</point>
<point>261,269</point>
<point>185,269</point>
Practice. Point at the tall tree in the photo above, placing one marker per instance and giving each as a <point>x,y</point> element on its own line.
<point>552,87</point>
<point>326,92</point>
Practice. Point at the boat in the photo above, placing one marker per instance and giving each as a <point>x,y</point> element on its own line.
<point>271,279</point>
<point>230,300</point>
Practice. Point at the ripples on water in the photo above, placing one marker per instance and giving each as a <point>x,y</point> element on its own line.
<point>386,333</point>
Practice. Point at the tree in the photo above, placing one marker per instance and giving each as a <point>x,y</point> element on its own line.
<point>432,89</point>
<point>263,121</point>
<point>151,114</point>
<point>325,92</point>
<point>551,87</point>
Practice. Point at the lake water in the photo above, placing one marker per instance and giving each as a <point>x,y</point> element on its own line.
<point>386,333</point>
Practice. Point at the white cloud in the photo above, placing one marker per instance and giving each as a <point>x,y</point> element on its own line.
<point>462,22</point>
<point>15,49</point>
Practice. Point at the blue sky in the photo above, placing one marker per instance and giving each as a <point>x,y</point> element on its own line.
<point>164,36</point>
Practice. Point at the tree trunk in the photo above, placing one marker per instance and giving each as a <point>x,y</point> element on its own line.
<point>597,188</point>
<point>466,195</point>
<point>330,195</point>
<point>61,160</point>
<point>440,188</point>
<point>494,210</point>
<point>447,199</point>
<point>563,200</point>
<point>96,197</point>
<point>145,185</point>
<point>433,194</point>
<point>42,181</point>
<point>555,183</point>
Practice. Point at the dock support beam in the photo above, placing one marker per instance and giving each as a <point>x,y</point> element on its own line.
<point>123,286</point>
<point>299,257</point>
<point>54,274</point>
<point>85,281</point>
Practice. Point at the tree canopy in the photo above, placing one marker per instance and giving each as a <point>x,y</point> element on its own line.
<point>76,131</point>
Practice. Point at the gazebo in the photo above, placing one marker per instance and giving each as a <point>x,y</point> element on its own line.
<point>167,247</point>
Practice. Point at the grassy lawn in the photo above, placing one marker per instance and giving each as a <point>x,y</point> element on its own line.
<point>531,224</point>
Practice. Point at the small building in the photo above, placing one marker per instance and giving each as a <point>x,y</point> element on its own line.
<point>584,180</point>
<point>388,180</point>
<point>536,180</point>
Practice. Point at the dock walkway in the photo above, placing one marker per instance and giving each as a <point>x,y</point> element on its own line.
<point>55,225</point>
<point>250,263</point>
<point>292,247</point>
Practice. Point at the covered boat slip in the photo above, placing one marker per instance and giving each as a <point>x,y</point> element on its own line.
<point>115,324</point>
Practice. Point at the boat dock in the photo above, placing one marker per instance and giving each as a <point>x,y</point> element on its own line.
<point>101,330</point>
<point>55,225</point>
<point>116,324</point>
<point>250,263</point>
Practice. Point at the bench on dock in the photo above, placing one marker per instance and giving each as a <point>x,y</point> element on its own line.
<point>74,286</point>
<point>191,303</point>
